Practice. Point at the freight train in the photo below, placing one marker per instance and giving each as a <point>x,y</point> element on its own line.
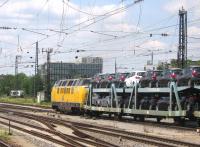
<point>177,98</point>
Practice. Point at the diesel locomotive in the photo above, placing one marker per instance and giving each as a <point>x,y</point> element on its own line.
<point>69,94</point>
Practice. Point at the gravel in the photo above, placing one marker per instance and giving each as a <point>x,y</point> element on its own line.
<point>117,141</point>
<point>29,139</point>
<point>22,119</point>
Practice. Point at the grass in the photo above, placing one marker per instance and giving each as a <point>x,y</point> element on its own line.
<point>24,101</point>
<point>4,135</point>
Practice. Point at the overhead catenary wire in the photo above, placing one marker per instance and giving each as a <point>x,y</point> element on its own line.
<point>114,39</point>
<point>5,2</point>
<point>79,10</point>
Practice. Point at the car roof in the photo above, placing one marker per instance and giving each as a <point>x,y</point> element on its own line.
<point>194,66</point>
<point>175,68</point>
<point>153,70</point>
<point>138,71</point>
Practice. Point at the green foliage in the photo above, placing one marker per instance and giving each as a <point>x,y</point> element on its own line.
<point>174,63</point>
<point>162,66</point>
<point>21,82</point>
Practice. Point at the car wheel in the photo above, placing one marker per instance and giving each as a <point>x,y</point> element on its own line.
<point>157,108</point>
<point>196,107</point>
<point>176,108</point>
<point>140,107</point>
<point>168,108</point>
<point>157,84</point>
<point>168,84</point>
<point>150,84</point>
<point>189,82</point>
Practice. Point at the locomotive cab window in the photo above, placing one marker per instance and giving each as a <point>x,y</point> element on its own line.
<point>86,82</point>
<point>64,83</point>
<point>70,83</point>
<point>75,83</point>
<point>60,84</point>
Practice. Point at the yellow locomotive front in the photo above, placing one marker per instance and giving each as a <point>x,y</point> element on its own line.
<point>69,95</point>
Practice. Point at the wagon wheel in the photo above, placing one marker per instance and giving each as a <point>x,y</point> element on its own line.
<point>141,118</point>
<point>158,119</point>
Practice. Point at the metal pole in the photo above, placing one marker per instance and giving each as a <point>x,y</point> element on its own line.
<point>9,133</point>
<point>49,51</point>
<point>36,58</point>
<point>36,70</point>
<point>16,71</point>
<point>135,102</point>
<point>115,67</point>
<point>182,49</point>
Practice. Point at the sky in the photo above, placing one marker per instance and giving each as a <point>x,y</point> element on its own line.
<point>113,29</point>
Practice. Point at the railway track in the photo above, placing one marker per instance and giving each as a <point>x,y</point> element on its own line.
<point>74,141</point>
<point>150,123</point>
<point>138,137</point>
<point>31,108</point>
<point>29,105</point>
<point>4,144</point>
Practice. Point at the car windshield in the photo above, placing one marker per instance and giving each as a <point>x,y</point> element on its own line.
<point>101,76</point>
<point>158,73</point>
<point>165,98</point>
<point>141,74</point>
<point>178,71</point>
<point>131,74</point>
<point>126,74</point>
<point>197,69</point>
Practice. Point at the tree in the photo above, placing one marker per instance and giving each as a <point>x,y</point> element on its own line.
<point>23,82</point>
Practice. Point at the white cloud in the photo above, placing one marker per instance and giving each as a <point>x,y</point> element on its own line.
<point>175,5</point>
<point>120,26</point>
<point>191,5</point>
<point>193,31</point>
<point>154,44</point>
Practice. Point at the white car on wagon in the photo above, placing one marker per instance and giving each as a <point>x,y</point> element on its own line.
<point>134,77</point>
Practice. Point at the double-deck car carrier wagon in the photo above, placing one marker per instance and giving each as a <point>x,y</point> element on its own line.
<point>158,102</point>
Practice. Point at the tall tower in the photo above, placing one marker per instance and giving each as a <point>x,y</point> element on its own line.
<point>182,48</point>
